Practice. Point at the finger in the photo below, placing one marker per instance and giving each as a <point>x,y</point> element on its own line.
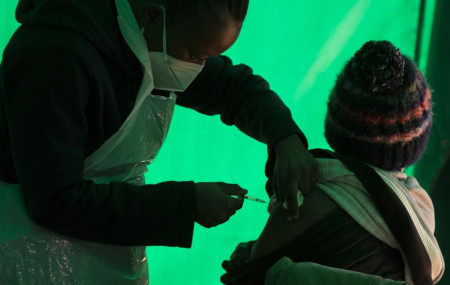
<point>231,213</point>
<point>304,182</point>
<point>226,265</point>
<point>243,255</point>
<point>225,279</point>
<point>236,256</point>
<point>234,189</point>
<point>235,204</point>
<point>233,256</point>
<point>272,205</point>
<point>235,262</point>
<point>284,179</point>
<point>291,200</point>
<point>269,187</point>
<point>314,173</point>
<point>273,199</point>
<point>238,260</point>
<point>223,219</point>
<point>277,186</point>
<point>215,220</point>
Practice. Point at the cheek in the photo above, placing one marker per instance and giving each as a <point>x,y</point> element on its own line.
<point>176,49</point>
<point>182,44</point>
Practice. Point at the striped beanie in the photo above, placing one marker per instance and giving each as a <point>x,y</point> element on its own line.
<point>380,109</point>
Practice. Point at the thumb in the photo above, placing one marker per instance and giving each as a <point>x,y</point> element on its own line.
<point>234,189</point>
<point>225,279</point>
<point>226,265</point>
<point>236,203</point>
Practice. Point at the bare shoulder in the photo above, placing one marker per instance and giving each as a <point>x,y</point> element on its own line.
<point>278,231</point>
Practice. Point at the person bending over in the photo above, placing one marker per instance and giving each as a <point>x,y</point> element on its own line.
<point>87,93</point>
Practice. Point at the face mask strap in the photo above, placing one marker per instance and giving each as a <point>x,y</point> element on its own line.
<point>166,59</point>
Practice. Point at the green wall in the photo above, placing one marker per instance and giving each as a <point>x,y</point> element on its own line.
<point>298,46</point>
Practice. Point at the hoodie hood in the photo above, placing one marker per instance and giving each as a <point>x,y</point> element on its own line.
<point>95,20</point>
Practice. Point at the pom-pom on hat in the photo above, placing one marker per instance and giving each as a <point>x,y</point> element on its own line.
<point>380,109</point>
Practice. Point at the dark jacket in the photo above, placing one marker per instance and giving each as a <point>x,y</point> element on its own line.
<point>67,82</point>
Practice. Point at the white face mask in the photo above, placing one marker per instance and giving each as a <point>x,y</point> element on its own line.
<point>169,73</point>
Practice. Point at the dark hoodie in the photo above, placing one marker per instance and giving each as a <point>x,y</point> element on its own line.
<point>67,83</point>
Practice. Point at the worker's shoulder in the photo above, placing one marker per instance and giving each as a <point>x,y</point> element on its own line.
<point>36,41</point>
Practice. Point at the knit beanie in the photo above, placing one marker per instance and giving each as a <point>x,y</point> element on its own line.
<point>380,109</point>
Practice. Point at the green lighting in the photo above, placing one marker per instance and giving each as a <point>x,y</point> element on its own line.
<point>298,47</point>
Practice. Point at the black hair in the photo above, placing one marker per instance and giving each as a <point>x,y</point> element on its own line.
<point>182,8</point>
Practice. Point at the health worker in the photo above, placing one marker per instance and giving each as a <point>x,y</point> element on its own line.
<point>87,93</point>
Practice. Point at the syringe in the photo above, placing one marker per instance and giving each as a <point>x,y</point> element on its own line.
<point>249,198</point>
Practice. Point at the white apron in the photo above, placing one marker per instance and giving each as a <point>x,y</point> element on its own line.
<point>29,254</point>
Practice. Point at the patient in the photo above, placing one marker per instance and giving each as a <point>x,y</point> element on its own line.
<point>379,112</point>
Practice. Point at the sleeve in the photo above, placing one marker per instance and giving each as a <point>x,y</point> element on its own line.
<point>245,100</point>
<point>46,94</point>
<point>241,99</point>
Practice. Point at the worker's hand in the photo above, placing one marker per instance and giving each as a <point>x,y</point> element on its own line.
<point>272,204</point>
<point>295,169</point>
<point>215,204</point>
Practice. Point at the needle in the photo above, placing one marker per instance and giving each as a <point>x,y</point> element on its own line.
<point>254,199</point>
<point>249,198</point>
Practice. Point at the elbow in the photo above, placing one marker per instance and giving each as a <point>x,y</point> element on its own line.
<point>48,216</point>
<point>41,216</point>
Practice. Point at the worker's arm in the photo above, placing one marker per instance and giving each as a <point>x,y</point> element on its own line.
<point>49,112</point>
<point>245,100</point>
<point>241,98</point>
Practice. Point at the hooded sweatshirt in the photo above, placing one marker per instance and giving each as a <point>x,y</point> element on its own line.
<point>68,81</point>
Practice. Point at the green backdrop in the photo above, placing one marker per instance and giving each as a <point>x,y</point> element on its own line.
<point>299,47</point>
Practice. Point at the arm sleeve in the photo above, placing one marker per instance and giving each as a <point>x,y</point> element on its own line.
<point>242,99</point>
<point>46,101</point>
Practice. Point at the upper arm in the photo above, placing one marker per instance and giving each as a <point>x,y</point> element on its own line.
<point>50,102</point>
<point>46,92</point>
<point>279,232</point>
<point>217,88</point>
<point>241,98</point>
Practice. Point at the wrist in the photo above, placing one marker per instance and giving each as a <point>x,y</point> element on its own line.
<point>285,143</point>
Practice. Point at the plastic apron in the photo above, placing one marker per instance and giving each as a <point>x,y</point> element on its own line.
<point>29,254</point>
